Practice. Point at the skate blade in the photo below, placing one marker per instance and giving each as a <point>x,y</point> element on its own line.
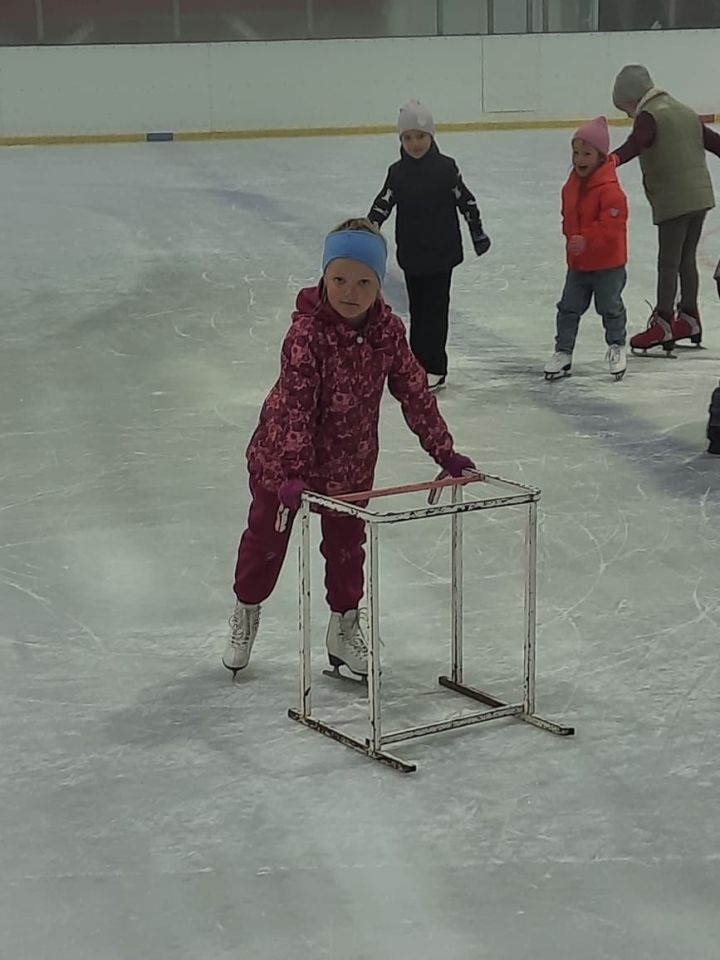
<point>233,670</point>
<point>689,346</point>
<point>617,377</point>
<point>552,377</point>
<point>667,353</point>
<point>351,677</point>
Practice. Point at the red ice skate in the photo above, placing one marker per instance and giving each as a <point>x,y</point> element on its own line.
<point>687,326</point>
<point>658,333</point>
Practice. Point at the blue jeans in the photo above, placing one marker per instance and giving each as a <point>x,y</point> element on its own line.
<point>580,287</point>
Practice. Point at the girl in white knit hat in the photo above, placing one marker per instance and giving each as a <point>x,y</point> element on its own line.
<point>428,190</point>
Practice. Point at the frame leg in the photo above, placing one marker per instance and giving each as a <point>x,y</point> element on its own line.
<point>530,610</point>
<point>456,579</point>
<point>305,617</point>
<point>374,680</point>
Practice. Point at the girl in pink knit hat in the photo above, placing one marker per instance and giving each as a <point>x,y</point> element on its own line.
<point>595,214</point>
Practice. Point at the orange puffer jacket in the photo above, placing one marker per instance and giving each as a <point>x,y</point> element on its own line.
<point>596,209</point>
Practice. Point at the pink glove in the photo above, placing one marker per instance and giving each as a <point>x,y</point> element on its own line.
<point>576,244</point>
<point>290,494</point>
<point>456,464</point>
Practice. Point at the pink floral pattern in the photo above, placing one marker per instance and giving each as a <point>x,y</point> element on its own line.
<point>319,423</point>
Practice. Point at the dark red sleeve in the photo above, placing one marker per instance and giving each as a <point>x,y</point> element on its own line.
<point>298,399</point>
<point>407,382</point>
<point>711,140</point>
<point>642,137</point>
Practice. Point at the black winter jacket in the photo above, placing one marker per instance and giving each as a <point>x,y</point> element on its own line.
<point>428,193</point>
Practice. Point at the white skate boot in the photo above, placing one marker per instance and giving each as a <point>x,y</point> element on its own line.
<point>617,360</point>
<point>558,366</point>
<point>244,624</point>
<point>347,644</point>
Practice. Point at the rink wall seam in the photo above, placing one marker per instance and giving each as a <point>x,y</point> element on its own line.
<point>300,132</point>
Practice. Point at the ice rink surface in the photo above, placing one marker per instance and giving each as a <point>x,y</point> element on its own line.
<point>149,807</point>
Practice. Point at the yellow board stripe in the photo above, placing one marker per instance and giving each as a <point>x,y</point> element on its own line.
<point>285,133</point>
<point>72,139</point>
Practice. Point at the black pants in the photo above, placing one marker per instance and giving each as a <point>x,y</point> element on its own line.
<point>678,241</point>
<point>429,297</point>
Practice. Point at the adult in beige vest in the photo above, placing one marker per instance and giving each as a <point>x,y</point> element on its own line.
<point>671,141</point>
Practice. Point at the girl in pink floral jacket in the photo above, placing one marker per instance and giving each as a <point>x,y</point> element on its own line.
<point>318,430</point>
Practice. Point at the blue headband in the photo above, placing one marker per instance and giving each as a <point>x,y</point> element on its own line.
<point>360,245</point>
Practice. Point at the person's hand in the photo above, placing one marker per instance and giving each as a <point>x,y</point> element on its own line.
<point>576,244</point>
<point>457,463</point>
<point>481,242</point>
<point>290,494</point>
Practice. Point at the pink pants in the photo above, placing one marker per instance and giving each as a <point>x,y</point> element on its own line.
<point>262,552</point>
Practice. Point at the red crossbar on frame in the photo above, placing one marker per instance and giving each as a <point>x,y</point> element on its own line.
<point>410,488</point>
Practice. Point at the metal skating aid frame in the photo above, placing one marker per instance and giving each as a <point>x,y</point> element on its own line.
<point>510,495</point>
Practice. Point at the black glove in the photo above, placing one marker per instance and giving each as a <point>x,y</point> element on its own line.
<point>481,241</point>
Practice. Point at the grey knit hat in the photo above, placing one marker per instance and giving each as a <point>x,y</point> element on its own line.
<point>415,116</point>
<point>631,84</point>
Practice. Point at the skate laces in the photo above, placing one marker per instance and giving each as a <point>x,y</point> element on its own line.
<point>244,624</point>
<point>655,318</point>
<point>355,636</point>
